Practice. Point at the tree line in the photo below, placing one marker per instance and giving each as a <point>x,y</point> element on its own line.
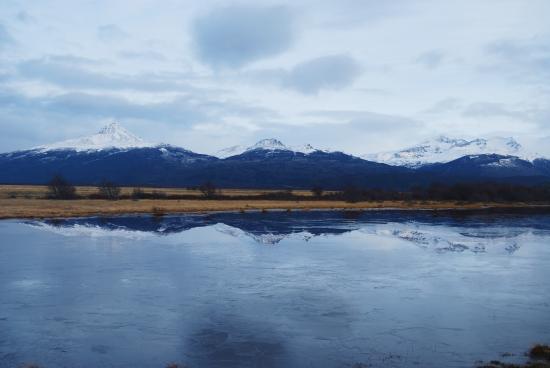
<point>60,188</point>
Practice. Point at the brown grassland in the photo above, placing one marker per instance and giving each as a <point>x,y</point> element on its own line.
<point>27,201</point>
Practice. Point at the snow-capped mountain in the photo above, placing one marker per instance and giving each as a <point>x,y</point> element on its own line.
<point>444,149</point>
<point>110,136</point>
<point>269,144</point>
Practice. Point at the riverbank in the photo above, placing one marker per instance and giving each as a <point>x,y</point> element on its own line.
<point>46,208</point>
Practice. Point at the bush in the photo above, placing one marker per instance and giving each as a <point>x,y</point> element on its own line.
<point>317,191</point>
<point>60,188</point>
<point>352,194</point>
<point>208,190</point>
<point>137,193</point>
<point>109,190</point>
<point>540,352</point>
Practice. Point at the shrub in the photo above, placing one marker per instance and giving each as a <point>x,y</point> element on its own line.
<point>208,189</point>
<point>60,188</point>
<point>137,193</point>
<point>317,191</point>
<point>109,190</point>
<point>540,352</point>
<point>158,212</point>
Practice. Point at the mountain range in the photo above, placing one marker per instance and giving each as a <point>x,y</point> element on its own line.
<point>116,154</point>
<point>460,233</point>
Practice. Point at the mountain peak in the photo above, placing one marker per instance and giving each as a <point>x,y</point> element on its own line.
<point>445,149</point>
<point>112,135</point>
<point>112,128</point>
<point>268,144</point>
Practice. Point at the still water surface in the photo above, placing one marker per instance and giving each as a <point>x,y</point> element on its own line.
<point>301,289</point>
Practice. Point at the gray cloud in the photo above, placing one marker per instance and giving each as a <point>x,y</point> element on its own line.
<point>183,109</point>
<point>24,17</point>
<point>449,104</point>
<point>142,55</point>
<point>491,109</point>
<point>327,72</point>
<point>110,33</point>
<point>5,37</point>
<point>352,13</point>
<point>366,119</point>
<point>539,115</point>
<point>70,71</point>
<point>234,36</point>
<point>522,60</point>
<point>331,72</point>
<point>355,131</point>
<point>431,59</point>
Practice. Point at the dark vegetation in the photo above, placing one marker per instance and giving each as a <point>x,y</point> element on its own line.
<point>208,190</point>
<point>109,190</point>
<point>60,188</point>
<point>539,355</point>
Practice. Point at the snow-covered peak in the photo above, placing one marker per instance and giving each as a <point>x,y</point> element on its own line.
<point>112,135</point>
<point>445,149</point>
<point>269,144</point>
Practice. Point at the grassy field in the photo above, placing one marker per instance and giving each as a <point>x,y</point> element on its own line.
<point>39,191</point>
<point>31,202</point>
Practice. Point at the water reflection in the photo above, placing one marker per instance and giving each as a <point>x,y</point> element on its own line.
<point>442,231</point>
<point>277,289</point>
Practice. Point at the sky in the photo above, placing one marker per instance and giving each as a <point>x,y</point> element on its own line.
<point>360,76</point>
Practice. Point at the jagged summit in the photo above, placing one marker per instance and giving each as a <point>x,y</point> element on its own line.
<point>112,135</point>
<point>445,149</point>
<point>268,144</point>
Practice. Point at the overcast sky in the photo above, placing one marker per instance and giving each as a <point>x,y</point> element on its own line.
<point>355,75</point>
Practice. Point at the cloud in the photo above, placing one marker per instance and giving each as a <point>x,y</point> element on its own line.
<point>142,55</point>
<point>366,119</point>
<point>110,33</point>
<point>235,36</point>
<point>431,59</point>
<point>450,104</point>
<point>327,72</point>
<point>522,60</point>
<point>491,109</point>
<point>331,72</point>
<point>538,115</point>
<point>38,119</point>
<point>182,109</point>
<point>71,71</point>
<point>354,131</point>
<point>24,17</point>
<point>5,38</point>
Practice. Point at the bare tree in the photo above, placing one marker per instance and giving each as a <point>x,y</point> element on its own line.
<point>208,189</point>
<point>109,190</point>
<point>60,188</point>
<point>137,193</point>
<point>317,191</point>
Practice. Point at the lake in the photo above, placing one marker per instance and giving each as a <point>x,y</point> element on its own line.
<point>276,289</point>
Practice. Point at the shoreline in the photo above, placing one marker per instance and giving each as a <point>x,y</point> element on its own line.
<point>45,208</point>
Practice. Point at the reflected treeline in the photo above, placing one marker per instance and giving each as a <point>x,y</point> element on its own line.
<point>272,227</point>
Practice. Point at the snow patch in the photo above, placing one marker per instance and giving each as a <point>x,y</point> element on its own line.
<point>269,144</point>
<point>445,149</point>
<point>110,136</point>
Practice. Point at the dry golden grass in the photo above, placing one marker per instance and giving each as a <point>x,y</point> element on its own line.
<point>39,191</point>
<point>28,201</point>
<point>44,208</point>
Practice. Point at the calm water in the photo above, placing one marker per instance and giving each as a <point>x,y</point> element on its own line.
<point>309,289</point>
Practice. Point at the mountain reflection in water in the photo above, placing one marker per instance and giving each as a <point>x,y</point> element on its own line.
<point>442,231</point>
<point>278,289</point>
